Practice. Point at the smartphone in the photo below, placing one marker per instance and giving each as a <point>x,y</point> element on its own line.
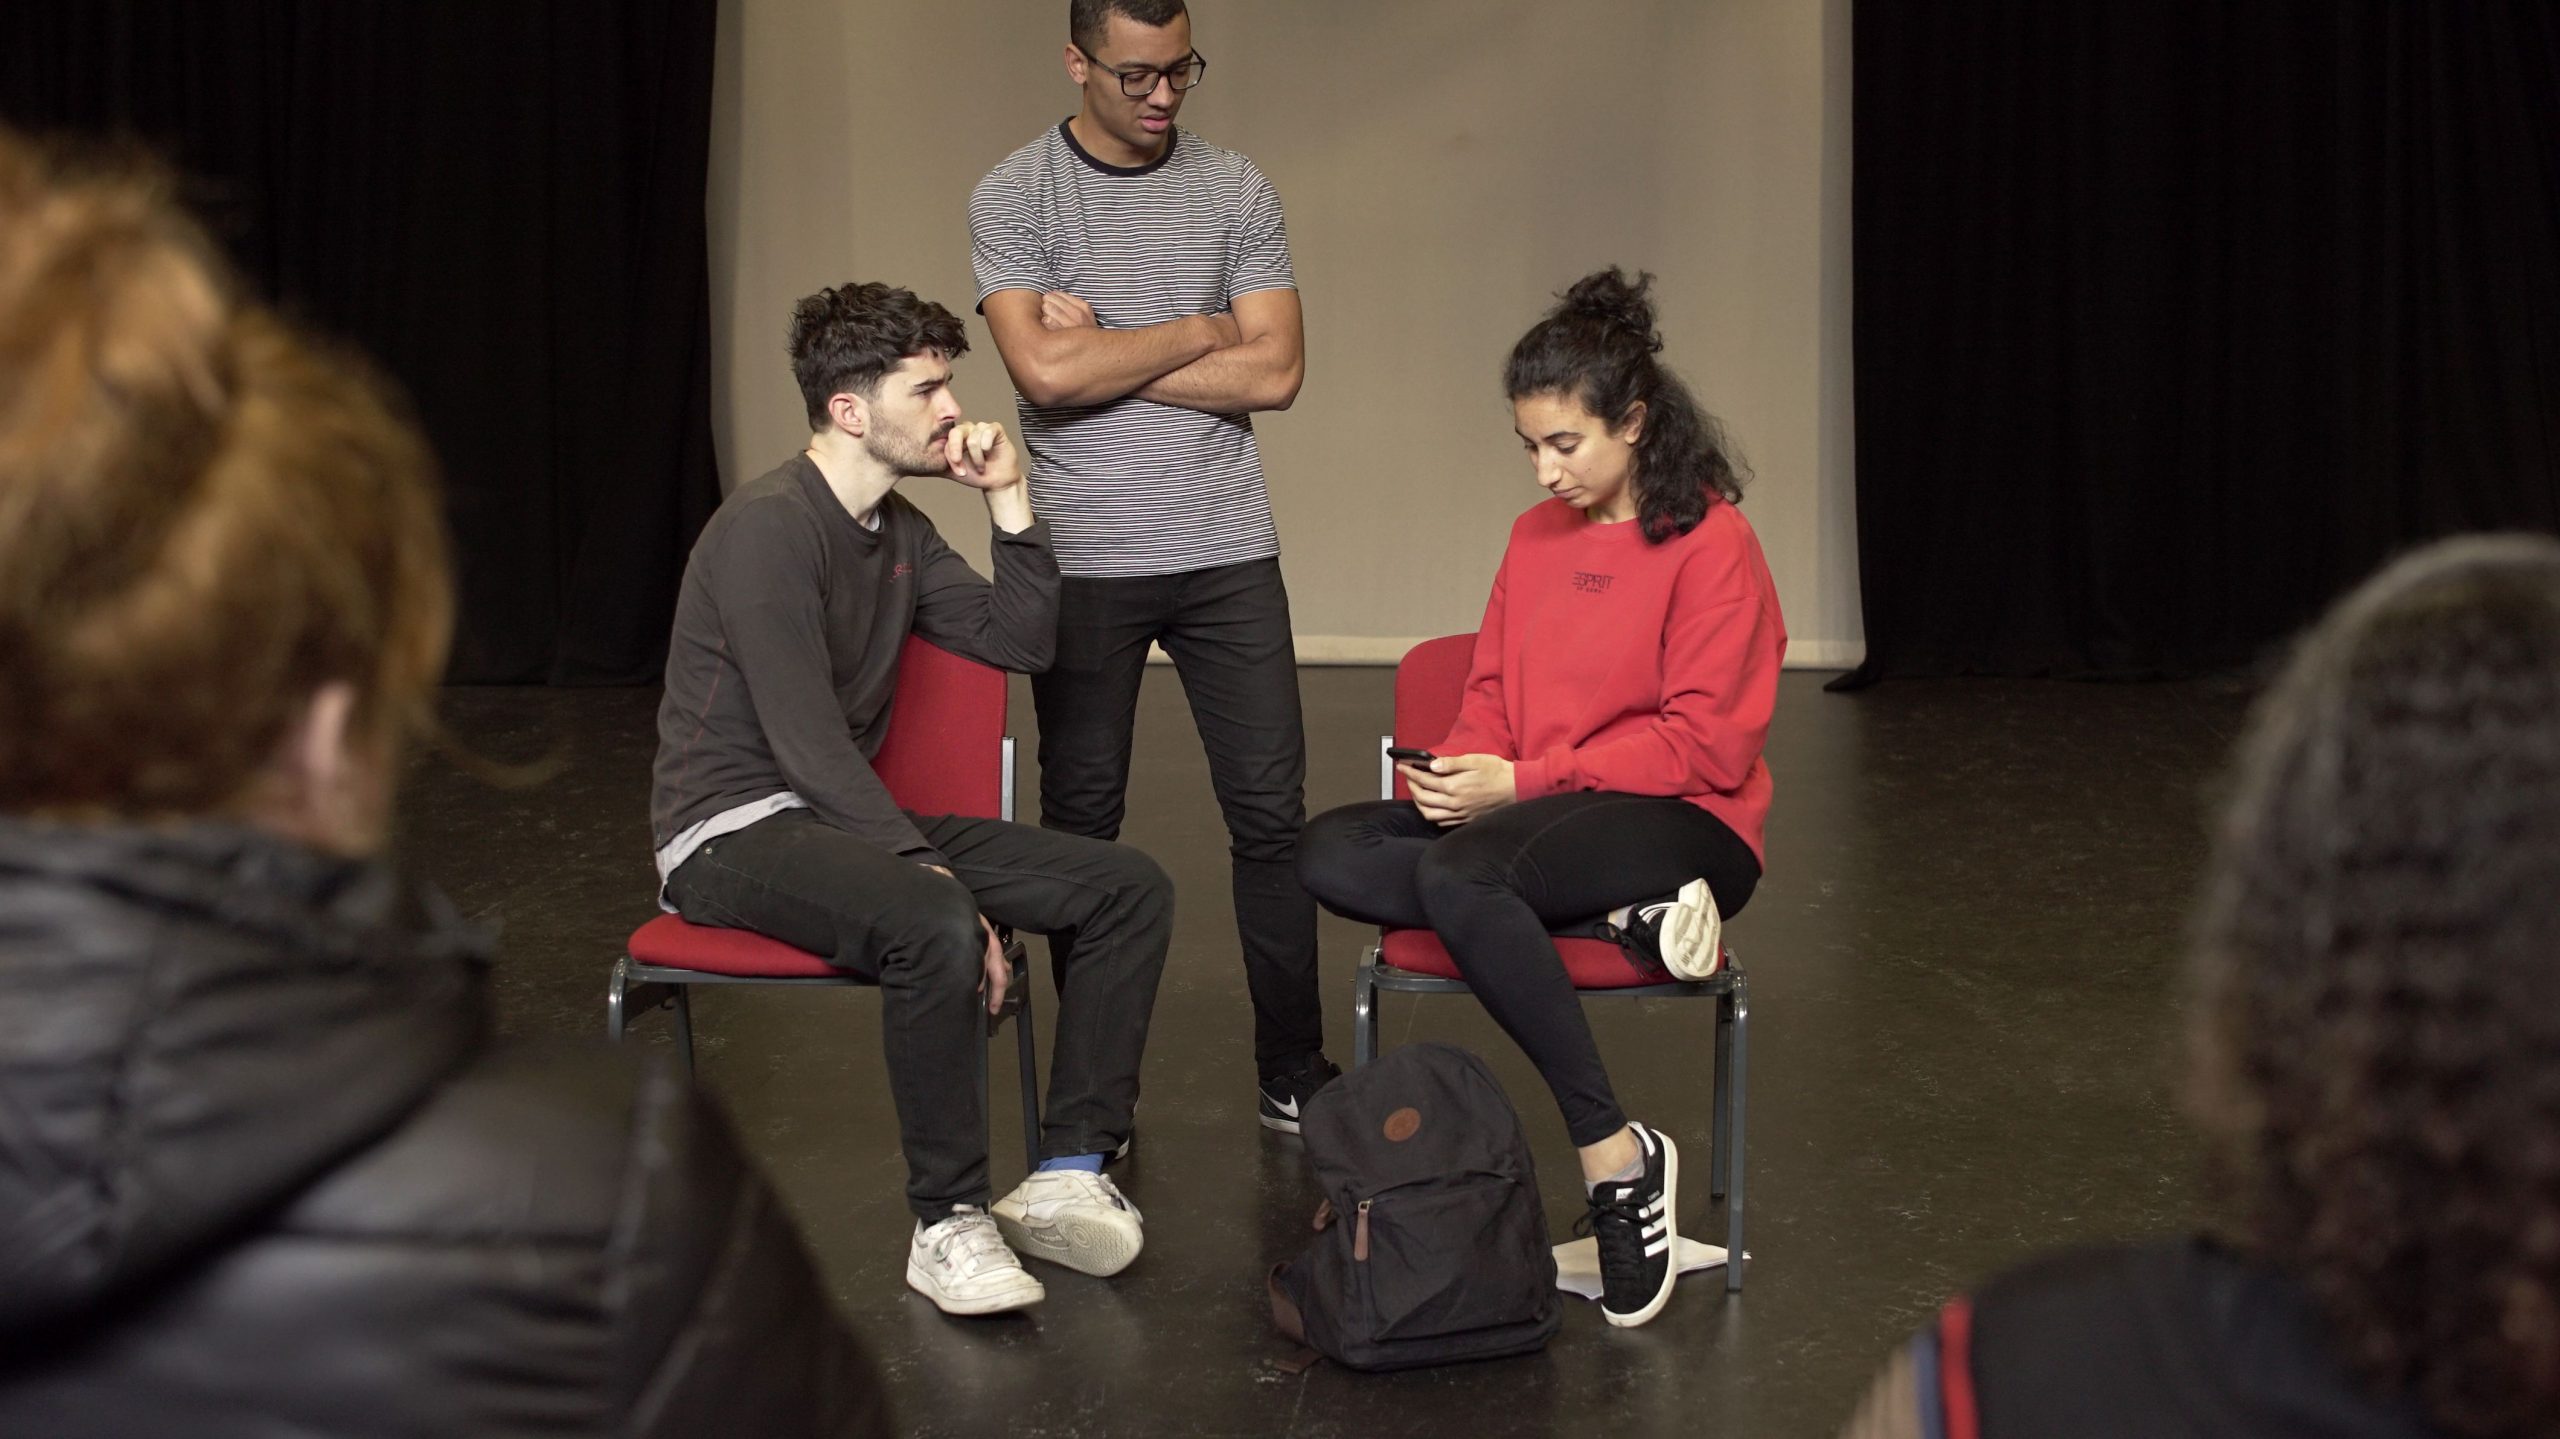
<point>1402,755</point>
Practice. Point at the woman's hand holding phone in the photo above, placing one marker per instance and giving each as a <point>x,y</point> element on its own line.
<point>1410,762</point>
<point>1449,790</point>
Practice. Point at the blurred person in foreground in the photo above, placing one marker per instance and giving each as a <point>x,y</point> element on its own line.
<point>261,1170</point>
<point>2377,1051</point>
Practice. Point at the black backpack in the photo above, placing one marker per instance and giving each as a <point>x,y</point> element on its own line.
<point>1431,1244</point>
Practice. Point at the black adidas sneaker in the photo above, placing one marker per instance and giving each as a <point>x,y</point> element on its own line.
<point>1634,1223</point>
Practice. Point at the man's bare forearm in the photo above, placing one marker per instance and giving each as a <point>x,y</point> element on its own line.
<point>1260,374</point>
<point>1090,366</point>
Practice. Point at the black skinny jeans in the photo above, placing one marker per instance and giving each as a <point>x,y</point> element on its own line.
<point>1495,890</point>
<point>1227,629</point>
<point>915,933</point>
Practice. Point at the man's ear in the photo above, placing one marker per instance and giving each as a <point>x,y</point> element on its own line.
<point>850,412</point>
<point>1075,63</point>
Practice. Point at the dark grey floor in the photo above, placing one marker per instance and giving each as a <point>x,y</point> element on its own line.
<point>1964,1037</point>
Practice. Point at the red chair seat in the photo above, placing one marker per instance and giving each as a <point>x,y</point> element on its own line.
<point>1589,963</point>
<point>670,942</point>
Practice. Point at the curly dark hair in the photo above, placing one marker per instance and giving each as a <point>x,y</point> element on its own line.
<point>2378,976</point>
<point>846,337</point>
<point>1598,345</point>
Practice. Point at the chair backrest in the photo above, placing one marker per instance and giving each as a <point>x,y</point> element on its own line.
<point>1431,682</point>
<point>945,752</point>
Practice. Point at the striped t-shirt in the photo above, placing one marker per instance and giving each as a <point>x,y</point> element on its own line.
<point>1132,487</point>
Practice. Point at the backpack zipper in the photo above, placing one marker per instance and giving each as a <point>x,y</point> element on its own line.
<point>1360,1235</point>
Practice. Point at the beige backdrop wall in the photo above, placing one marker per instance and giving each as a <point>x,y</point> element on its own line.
<point>1447,165</point>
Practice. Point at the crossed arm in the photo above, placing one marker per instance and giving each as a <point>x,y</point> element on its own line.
<point>1232,364</point>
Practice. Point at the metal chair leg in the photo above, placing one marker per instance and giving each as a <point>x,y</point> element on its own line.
<point>1741,1089</point>
<point>986,1041</point>
<point>1027,1048</point>
<point>684,1026</point>
<point>1364,1010</point>
<point>625,1000</point>
<point>1720,1169</point>
<point>615,991</point>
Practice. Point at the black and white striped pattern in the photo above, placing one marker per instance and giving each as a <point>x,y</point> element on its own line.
<point>1654,1219</point>
<point>1132,487</point>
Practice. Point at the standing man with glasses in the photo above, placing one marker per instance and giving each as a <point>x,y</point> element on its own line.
<point>1138,284</point>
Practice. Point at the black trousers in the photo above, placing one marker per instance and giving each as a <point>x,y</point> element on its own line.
<point>915,933</point>
<point>1496,888</point>
<point>1227,629</point>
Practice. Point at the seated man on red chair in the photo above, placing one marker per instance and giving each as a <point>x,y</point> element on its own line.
<point>768,817</point>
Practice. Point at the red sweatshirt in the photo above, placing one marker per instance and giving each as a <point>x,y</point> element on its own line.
<point>1607,663</point>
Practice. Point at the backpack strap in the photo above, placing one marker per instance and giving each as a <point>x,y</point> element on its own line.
<point>1955,1370</point>
<point>1291,1324</point>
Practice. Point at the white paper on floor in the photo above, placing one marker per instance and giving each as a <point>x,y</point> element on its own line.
<point>1578,1263</point>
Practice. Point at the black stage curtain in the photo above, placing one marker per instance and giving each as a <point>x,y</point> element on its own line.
<point>503,204</point>
<point>2177,317</point>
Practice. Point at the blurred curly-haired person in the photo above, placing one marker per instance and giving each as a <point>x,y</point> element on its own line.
<point>2377,1051</point>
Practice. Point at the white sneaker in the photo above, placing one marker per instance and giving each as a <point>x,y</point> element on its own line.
<point>1072,1217</point>
<point>962,1265</point>
<point>1685,936</point>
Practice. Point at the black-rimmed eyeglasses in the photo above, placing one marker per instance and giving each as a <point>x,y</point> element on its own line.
<point>1139,81</point>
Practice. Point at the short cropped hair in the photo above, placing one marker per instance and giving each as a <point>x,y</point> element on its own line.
<point>1087,20</point>
<point>845,338</point>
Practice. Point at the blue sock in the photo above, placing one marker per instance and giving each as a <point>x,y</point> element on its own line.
<point>1089,1163</point>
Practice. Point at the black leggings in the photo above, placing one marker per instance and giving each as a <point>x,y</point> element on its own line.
<point>1496,888</point>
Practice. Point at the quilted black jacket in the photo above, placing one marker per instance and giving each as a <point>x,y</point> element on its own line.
<point>262,1174</point>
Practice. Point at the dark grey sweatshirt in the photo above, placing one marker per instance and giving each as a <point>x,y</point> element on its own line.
<point>785,650</point>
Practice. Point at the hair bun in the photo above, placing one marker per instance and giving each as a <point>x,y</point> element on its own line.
<point>1609,298</point>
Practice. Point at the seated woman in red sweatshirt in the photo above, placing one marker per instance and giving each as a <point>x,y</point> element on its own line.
<point>1608,751</point>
